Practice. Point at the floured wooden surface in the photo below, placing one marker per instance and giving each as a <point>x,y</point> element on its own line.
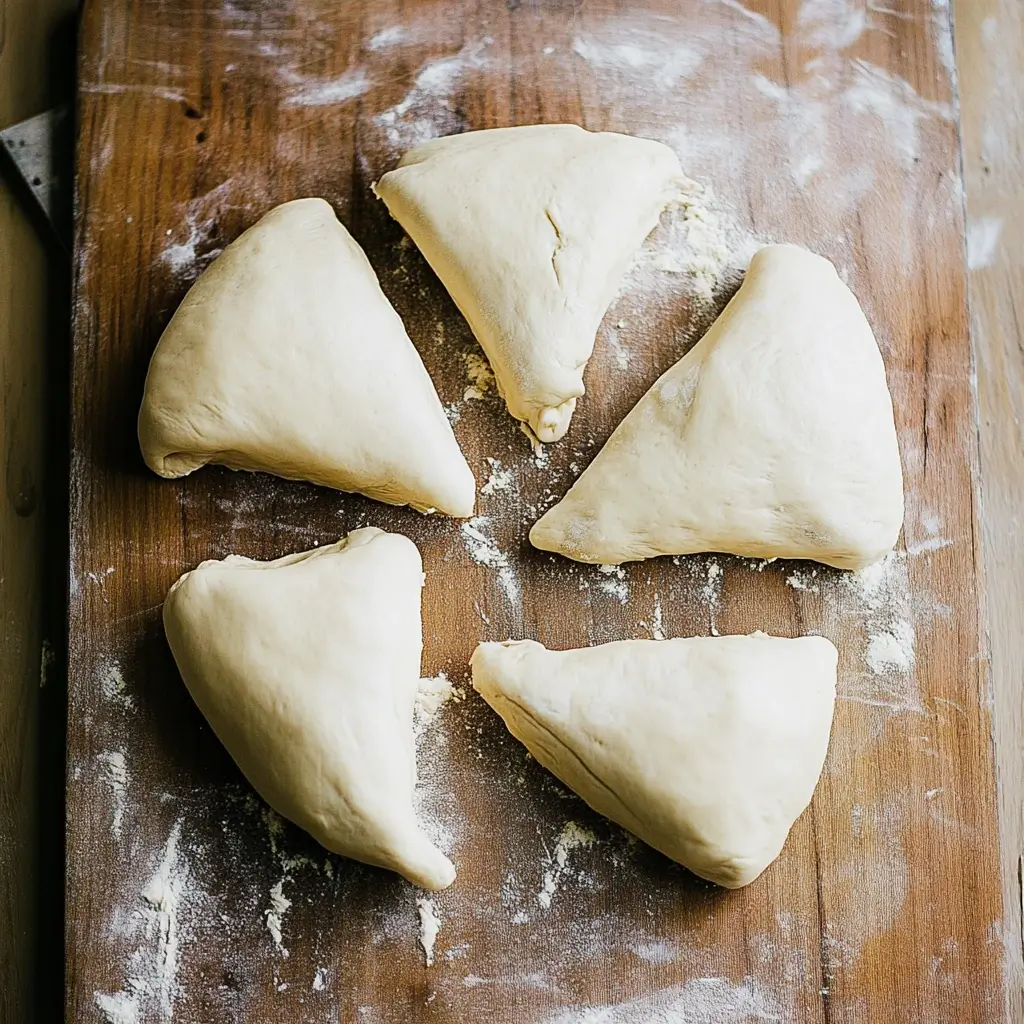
<point>825,123</point>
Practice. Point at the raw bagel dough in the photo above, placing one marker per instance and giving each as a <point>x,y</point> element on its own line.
<point>285,356</point>
<point>531,229</point>
<point>772,437</point>
<point>707,748</point>
<point>307,669</point>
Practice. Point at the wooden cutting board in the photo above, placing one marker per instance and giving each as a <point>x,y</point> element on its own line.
<point>828,124</point>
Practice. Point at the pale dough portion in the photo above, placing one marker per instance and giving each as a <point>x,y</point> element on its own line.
<point>307,669</point>
<point>707,748</point>
<point>285,356</point>
<point>531,230</point>
<point>773,437</point>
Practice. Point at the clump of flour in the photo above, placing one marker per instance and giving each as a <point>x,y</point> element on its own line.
<point>483,549</point>
<point>572,837</point>
<point>430,926</point>
<point>614,582</point>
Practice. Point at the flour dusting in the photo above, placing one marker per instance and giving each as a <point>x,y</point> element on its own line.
<point>187,257</point>
<point>437,809</point>
<point>983,235</point>
<point>279,906</point>
<point>712,1000</point>
<point>114,688</point>
<point>430,926</point>
<point>657,625</point>
<point>484,550</point>
<point>614,582</point>
<point>699,249</point>
<point>644,52</point>
<point>712,589</point>
<point>151,985</point>
<point>803,579</point>
<point>388,37</point>
<point>572,837</point>
<point>337,90</point>
<point>114,771</point>
<point>500,479</point>
<point>891,649</point>
<point>428,109</point>
<point>431,697</point>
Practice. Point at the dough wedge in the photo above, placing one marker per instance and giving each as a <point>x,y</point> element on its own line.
<point>707,748</point>
<point>307,669</point>
<point>286,357</point>
<point>773,437</point>
<point>531,230</point>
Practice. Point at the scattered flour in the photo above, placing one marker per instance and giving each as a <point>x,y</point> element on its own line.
<point>700,243</point>
<point>279,906</point>
<point>151,986</point>
<point>615,343</point>
<point>656,952</point>
<point>431,697</point>
<point>320,979</point>
<point>881,593</point>
<point>803,579</point>
<point>328,93</point>
<point>642,52</point>
<point>891,649</point>
<point>501,479</point>
<point>388,37</point>
<point>572,837</point>
<point>614,582</point>
<point>113,687</point>
<point>698,1001</point>
<point>657,625</point>
<point>437,810</point>
<point>430,925</point>
<point>115,774</point>
<point>200,217</point>
<point>712,589</point>
<point>428,109</point>
<point>869,903</point>
<point>484,551</point>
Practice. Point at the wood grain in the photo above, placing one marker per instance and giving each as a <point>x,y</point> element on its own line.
<point>990,59</point>
<point>27,297</point>
<point>197,117</point>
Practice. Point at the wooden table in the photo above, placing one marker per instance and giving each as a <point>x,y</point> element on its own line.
<point>840,134</point>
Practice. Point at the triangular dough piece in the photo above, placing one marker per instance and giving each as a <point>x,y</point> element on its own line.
<point>773,437</point>
<point>707,748</point>
<point>285,356</point>
<point>531,230</point>
<point>307,669</point>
